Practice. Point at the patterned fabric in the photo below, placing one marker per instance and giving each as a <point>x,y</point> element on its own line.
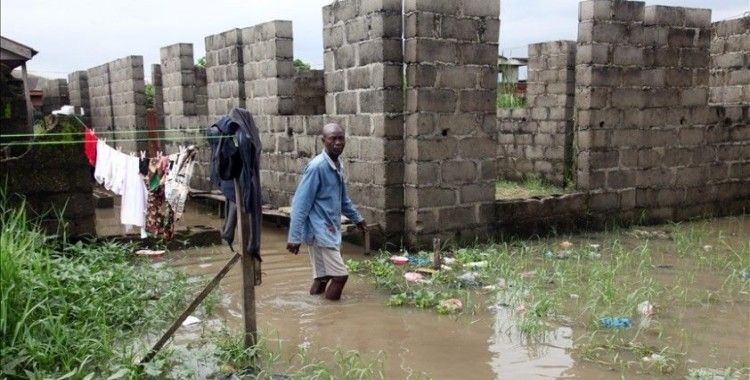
<point>159,214</point>
<point>177,185</point>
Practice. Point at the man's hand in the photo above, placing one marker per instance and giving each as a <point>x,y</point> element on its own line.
<point>362,226</point>
<point>293,248</point>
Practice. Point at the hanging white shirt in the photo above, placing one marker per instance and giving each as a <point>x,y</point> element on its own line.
<point>134,194</point>
<point>103,168</point>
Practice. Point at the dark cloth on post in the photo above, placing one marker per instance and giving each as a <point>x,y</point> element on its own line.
<point>238,127</point>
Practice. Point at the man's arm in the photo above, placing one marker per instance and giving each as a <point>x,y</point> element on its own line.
<point>302,204</point>
<point>349,211</point>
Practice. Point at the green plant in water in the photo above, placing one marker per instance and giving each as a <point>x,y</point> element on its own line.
<point>425,299</point>
<point>398,299</point>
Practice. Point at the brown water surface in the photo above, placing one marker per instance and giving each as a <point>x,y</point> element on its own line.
<point>416,343</point>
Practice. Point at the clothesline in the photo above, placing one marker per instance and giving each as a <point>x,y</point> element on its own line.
<point>105,131</point>
<point>36,143</point>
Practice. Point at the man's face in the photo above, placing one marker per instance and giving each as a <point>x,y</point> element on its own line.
<point>334,141</point>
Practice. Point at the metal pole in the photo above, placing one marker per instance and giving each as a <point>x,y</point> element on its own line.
<point>248,271</point>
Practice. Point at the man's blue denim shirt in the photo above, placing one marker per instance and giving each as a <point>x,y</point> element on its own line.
<point>318,203</point>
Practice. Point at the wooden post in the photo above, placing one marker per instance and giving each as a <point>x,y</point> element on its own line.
<point>248,271</point>
<point>366,237</point>
<point>437,260</point>
<point>27,96</point>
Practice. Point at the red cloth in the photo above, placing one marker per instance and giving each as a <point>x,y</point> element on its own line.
<point>89,145</point>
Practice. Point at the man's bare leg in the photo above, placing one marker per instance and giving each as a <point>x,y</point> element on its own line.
<point>334,290</point>
<point>319,285</point>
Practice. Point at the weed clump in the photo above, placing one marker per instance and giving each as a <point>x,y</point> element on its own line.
<point>75,309</point>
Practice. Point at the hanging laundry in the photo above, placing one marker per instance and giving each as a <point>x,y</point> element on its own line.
<point>90,144</point>
<point>239,128</point>
<point>103,168</point>
<point>119,162</point>
<point>177,185</point>
<point>133,210</point>
<point>159,214</point>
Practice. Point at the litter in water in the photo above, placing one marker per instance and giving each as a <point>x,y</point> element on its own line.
<point>399,260</point>
<point>149,252</point>
<point>615,323</point>
<point>190,320</point>
<point>645,309</point>
<point>413,277</point>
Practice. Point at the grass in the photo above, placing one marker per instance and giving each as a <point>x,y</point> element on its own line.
<point>531,187</point>
<point>75,310</point>
<point>544,288</point>
<point>510,100</point>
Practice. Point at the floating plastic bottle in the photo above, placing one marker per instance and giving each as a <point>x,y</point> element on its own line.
<point>615,322</point>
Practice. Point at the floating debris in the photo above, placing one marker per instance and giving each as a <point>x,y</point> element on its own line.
<point>149,252</point>
<point>615,322</point>
<point>449,306</point>
<point>476,264</point>
<point>190,320</point>
<point>399,260</point>
<point>468,278</point>
<point>645,309</point>
<point>413,277</point>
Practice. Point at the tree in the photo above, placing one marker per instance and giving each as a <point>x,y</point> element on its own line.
<point>149,96</point>
<point>201,62</point>
<point>300,66</point>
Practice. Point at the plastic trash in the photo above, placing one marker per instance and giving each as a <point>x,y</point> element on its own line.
<point>745,275</point>
<point>149,252</point>
<point>563,255</point>
<point>565,244</point>
<point>645,309</point>
<point>449,306</point>
<point>654,358</point>
<point>595,247</point>
<point>419,261</point>
<point>190,320</point>
<point>476,264</point>
<point>449,260</point>
<point>549,254</point>
<point>615,322</point>
<point>399,260</point>
<point>574,296</point>
<point>707,247</point>
<point>413,277</point>
<point>468,278</point>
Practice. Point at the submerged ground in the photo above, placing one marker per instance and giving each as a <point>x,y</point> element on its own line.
<point>533,312</point>
<point>530,309</point>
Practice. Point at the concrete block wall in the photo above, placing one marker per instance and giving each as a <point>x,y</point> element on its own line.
<point>78,93</point>
<point>55,95</point>
<point>451,65</point>
<point>100,99</point>
<point>224,73</point>
<point>309,93</point>
<point>363,62</point>
<point>648,144</point>
<point>183,88</point>
<point>126,80</point>
<point>156,81</point>
<point>267,65</point>
<point>537,141</point>
<point>730,62</point>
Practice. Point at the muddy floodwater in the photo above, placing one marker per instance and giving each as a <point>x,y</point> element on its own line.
<point>415,343</point>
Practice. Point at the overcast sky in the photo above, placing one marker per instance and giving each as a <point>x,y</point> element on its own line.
<point>78,34</point>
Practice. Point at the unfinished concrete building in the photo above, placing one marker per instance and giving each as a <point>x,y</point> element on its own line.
<point>646,114</point>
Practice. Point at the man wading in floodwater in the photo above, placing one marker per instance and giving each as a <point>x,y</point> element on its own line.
<point>318,203</point>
